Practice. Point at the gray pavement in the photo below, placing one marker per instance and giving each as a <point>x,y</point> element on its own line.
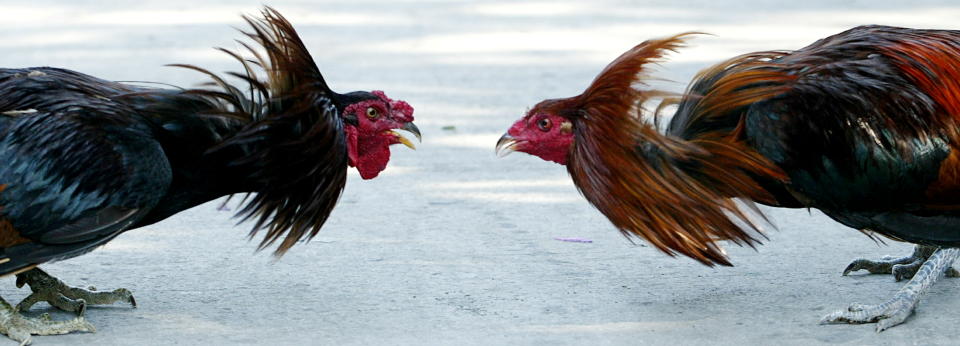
<point>452,245</point>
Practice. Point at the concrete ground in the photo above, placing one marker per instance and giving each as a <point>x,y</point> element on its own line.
<point>451,245</point>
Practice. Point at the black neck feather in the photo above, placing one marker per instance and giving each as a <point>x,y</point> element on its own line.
<point>290,146</point>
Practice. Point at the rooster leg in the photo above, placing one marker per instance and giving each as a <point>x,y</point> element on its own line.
<point>53,291</point>
<point>19,328</point>
<point>896,310</point>
<point>901,268</point>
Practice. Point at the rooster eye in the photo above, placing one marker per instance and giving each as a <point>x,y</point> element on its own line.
<point>372,113</point>
<point>544,124</point>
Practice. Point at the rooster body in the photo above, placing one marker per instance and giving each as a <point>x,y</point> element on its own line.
<point>85,159</point>
<point>61,140</point>
<point>858,135</point>
<point>863,125</point>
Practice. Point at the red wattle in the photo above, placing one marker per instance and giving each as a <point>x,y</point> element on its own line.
<point>374,153</point>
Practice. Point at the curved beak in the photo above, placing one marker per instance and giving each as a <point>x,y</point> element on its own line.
<point>506,145</point>
<point>409,127</point>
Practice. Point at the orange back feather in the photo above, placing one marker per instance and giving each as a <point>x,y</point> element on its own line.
<point>930,62</point>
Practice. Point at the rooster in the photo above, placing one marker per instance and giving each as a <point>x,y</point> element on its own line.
<point>863,125</point>
<point>85,159</point>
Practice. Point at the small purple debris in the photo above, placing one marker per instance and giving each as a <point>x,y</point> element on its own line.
<point>575,240</point>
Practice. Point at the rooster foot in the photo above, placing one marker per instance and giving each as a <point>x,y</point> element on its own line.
<point>886,315</point>
<point>51,290</point>
<point>19,328</point>
<point>901,268</point>
<point>896,310</point>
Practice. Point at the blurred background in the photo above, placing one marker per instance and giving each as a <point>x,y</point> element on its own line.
<point>452,245</point>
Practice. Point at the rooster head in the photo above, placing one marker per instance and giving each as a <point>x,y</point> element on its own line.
<point>542,132</point>
<point>371,118</point>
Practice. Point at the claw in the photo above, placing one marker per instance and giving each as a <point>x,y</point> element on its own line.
<point>905,271</point>
<point>852,267</point>
<point>58,294</point>
<point>923,268</point>
<point>903,267</point>
<point>20,328</point>
<point>952,273</point>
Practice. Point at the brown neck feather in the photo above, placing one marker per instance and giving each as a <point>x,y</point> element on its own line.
<point>675,193</point>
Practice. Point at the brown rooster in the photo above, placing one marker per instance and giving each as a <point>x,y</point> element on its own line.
<point>863,125</point>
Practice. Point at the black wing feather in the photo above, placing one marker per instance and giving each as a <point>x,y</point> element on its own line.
<point>78,169</point>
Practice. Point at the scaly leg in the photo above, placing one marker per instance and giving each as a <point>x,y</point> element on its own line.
<point>19,328</point>
<point>53,291</point>
<point>901,268</point>
<point>896,310</point>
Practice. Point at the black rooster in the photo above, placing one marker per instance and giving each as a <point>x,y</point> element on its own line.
<point>84,159</point>
<point>863,125</point>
